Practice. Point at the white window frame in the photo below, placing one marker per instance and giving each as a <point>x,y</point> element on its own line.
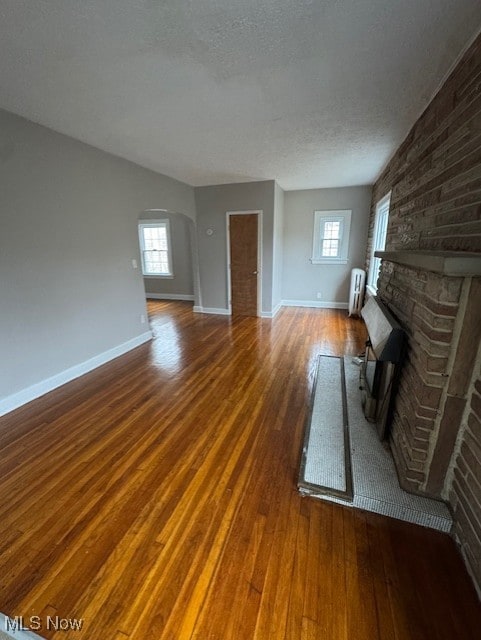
<point>378,241</point>
<point>320,218</point>
<point>164,222</point>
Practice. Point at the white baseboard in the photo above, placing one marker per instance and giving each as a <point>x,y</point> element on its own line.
<point>226,312</point>
<point>273,313</point>
<point>169,296</point>
<point>285,303</point>
<point>41,388</point>
<point>276,309</point>
<point>213,310</point>
<point>317,304</point>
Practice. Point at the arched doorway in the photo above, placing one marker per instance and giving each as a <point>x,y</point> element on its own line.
<point>168,248</point>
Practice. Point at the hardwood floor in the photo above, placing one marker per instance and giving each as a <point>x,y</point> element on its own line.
<point>156,498</point>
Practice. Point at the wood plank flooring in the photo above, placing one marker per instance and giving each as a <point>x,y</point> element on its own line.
<point>156,498</point>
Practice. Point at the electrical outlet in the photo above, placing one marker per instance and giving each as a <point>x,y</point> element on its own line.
<point>134,264</point>
<point>142,318</point>
<point>319,295</point>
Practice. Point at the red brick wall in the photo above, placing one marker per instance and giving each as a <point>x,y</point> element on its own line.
<point>466,486</point>
<point>435,180</point>
<point>427,306</point>
<point>435,176</point>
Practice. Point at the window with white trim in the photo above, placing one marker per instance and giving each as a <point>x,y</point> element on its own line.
<point>378,239</point>
<point>155,248</point>
<point>330,243</point>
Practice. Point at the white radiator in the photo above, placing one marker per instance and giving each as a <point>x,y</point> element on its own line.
<point>356,294</point>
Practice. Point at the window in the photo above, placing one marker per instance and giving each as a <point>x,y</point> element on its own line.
<point>330,243</point>
<point>154,237</point>
<point>378,240</point>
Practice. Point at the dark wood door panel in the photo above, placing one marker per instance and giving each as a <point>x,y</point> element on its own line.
<point>243,234</point>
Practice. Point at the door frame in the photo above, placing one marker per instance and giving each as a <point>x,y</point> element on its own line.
<point>258,213</point>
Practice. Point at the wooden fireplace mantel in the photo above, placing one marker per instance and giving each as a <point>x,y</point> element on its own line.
<point>448,263</point>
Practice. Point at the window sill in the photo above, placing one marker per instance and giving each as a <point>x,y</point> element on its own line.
<point>329,261</point>
<point>156,276</point>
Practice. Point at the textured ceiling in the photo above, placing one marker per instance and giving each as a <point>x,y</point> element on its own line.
<point>311,93</point>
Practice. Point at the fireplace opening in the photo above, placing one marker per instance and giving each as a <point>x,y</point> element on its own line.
<point>380,367</point>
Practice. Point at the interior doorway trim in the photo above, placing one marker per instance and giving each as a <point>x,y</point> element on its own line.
<point>259,214</point>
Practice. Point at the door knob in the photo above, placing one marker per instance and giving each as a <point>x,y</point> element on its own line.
<point>254,273</point>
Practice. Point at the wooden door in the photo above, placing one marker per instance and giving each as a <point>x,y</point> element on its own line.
<point>243,242</point>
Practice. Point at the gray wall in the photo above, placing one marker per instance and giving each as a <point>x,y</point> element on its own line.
<point>68,233</point>
<point>278,247</point>
<point>212,204</point>
<point>182,284</point>
<point>301,280</point>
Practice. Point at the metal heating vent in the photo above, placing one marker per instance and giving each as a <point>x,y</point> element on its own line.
<point>379,371</point>
<point>385,333</point>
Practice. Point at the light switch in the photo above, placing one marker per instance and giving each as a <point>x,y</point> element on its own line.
<point>134,264</point>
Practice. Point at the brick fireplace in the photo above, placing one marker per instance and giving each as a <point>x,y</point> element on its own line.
<point>442,315</point>
<point>431,281</point>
